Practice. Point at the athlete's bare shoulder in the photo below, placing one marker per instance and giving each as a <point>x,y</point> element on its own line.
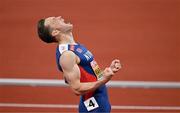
<point>67,57</point>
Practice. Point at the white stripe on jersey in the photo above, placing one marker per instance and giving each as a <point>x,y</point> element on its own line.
<point>63,48</point>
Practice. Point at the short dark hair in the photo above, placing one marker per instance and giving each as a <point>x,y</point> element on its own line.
<point>44,33</point>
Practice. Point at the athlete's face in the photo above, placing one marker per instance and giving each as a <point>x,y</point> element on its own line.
<point>58,23</point>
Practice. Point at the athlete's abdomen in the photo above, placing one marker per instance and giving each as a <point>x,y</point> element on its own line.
<point>98,102</point>
<point>95,101</point>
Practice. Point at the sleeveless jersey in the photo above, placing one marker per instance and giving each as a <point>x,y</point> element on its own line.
<point>96,101</point>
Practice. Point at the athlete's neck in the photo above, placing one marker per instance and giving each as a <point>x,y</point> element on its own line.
<point>67,39</point>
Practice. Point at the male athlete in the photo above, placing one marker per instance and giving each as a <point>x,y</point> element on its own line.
<point>80,70</point>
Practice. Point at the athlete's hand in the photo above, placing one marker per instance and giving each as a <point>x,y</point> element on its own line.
<point>110,71</point>
<point>115,66</point>
<point>107,73</point>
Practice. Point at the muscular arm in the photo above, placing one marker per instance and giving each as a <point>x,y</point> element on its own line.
<point>71,72</point>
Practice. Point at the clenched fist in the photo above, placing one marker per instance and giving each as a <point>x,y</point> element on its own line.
<point>115,65</point>
<point>110,71</point>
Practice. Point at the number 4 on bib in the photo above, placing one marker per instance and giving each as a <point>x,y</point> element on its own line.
<point>91,104</point>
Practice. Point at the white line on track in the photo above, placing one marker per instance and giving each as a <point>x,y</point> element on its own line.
<point>25,105</point>
<point>61,83</point>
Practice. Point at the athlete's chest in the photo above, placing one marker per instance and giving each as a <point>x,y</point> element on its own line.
<point>84,54</point>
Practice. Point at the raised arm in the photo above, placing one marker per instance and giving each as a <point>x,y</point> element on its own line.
<point>71,72</point>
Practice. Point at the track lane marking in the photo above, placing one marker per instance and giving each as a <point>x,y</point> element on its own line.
<point>26,105</point>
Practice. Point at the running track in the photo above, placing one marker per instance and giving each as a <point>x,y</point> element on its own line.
<point>143,34</point>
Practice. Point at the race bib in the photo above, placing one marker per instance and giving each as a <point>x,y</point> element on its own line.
<point>91,104</point>
<point>96,69</point>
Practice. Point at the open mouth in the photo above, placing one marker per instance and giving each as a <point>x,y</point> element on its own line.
<point>67,22</point>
